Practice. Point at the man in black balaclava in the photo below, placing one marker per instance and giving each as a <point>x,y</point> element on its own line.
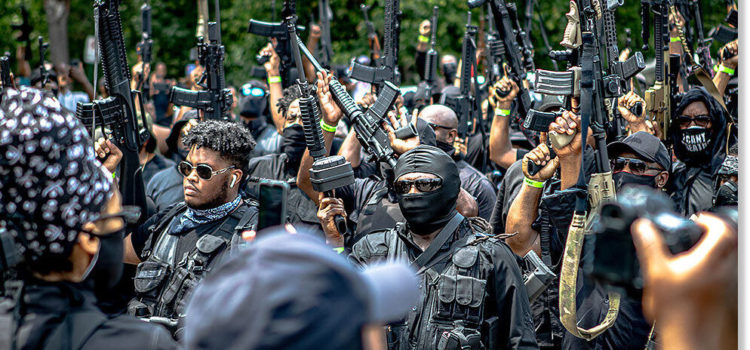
<point>253,110</point>
<point>371,202</point>
<point>445,123</point>
<point>699,135</point>
<point>456,257</point>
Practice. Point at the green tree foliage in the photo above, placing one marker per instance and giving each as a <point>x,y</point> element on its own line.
<point>174,23</point>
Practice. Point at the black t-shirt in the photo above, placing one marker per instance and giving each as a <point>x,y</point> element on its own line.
<point>155,165</point>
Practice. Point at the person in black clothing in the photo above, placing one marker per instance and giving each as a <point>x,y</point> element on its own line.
<point>444,122</point>
<point>178,246</point>
<point>253,110</point>
<point>473,295</point>
<point>370,202</point>
<point>69,238</point>
<point>701,134</point>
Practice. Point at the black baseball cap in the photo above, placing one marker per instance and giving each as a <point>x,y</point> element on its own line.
<point>646,146</point>
<point>292,291</point>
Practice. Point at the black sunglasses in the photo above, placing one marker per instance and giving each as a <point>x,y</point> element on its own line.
<point>205,171</point>
<point>700,120</point>
<point>433,126</point>
<point>423,185</point>
<point>637,166</point>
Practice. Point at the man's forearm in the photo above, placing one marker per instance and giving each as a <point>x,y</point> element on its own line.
<point>274,84</point>
<point>522,213</point>
<point>351,149</point>
<point>570,167</point>
<point>501,149</point>
<point>306,64</point>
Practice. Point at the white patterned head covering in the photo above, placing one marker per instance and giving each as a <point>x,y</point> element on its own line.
<point>50,181</point>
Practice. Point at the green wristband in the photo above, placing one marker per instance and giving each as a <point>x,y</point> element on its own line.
<point>113,176</point>
<point>674,39</point>
<point>272,80</point>
<point>338,250</point>
<point>327,127</point>
<point>502,112</point>
<point>532,183</point>
<point>725,69</point>
<point>423,39</point>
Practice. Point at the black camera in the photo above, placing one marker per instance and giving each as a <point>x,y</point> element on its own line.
<point>614,262</point>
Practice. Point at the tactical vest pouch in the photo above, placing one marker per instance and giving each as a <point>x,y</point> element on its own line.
<point>149,276</point>
<point>175,283</point>
<point>446,297</point>
<point>460,338</point>
<point>460,298</point>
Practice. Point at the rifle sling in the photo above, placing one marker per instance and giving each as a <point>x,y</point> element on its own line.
<point>438,242</point>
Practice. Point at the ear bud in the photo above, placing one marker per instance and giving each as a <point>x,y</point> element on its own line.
<point>234,179</point>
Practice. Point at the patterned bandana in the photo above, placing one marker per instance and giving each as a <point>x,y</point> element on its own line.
<point>50,180</point>
<point>191,218</point>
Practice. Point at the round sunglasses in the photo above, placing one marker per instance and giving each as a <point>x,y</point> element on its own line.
<point>205,171</point>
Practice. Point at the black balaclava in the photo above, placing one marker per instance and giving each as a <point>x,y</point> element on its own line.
<point>254,107</point>
<point>430,211</point>
<point>696,146</point>
<point>294,144</point>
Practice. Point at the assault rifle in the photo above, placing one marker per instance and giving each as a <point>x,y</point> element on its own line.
<point>431,59</point>
<point>117,113</point>
<point>465,104</point>
<point>42,52</point>
<point>367,124</point>
<point>327,172</point>
<point>386,67</point>
<point>25,28</point>
<point>658,97</point>
<point>517,48</point>
<point>5,79</point>
<point>494,50</point>
<point>372,35</point>
<point>326,50</point>
<point>215,100</point>
<point>278,31</point>
<point>144,51</point>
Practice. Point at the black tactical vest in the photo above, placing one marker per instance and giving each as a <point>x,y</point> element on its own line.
<point>163,281</point>
<point>450,314</point>
<point>378,214</point>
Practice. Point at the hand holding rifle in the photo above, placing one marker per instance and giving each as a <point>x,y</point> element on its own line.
<point>331,111</point>
<point>503,92</point>
<point>400,146</point>
<point>272,65</point>
<point>541,157</point>
<point>329,209</point>
<point>635,122</point>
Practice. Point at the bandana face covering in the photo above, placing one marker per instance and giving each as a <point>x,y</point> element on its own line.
<point>624,178</point>
<point>695,139</point>
<point>194,217</point>
<point>446,147</point>
<point>294,143</point>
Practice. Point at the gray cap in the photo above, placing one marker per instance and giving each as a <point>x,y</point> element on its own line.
<point>292,291</point>
<point>646,146</point>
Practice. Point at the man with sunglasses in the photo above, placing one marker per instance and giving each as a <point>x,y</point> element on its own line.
<point>444,122</point>
<point>472,289</point>
<point>177,247</point>
<point>61,213</point>
<point>701,132</point>
<point>639,159</point>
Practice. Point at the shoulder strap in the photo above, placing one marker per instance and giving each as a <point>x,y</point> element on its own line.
<point>376,196</point>
<point>162,225</point>
<point>438,242</point>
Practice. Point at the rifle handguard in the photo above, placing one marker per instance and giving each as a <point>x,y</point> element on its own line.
<point>310,115</point>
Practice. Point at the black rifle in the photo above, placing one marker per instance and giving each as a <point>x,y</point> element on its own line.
<point>144,51</point>
<point>278,31</point>
<point>518,49</point>
<point>25,28</point>
<point>327,172</point>
<point>367,124</point>
<point>372,35</point>
<point>42,70</point>
<point>465,104</point>
<point>386,67</point>
<point>658,97</point>
<point>326,48</point>
<point>431,60</point>
<point>117,113</point>
<point>215,100</point>
<point>495,52</point>
<point>723,34</point>
<point>5,73</point>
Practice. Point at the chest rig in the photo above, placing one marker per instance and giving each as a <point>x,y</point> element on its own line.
<point>450,314</point>
<point>164,280</point>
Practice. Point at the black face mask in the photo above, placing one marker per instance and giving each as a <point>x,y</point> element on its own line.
<point>427,212</point>
<point>106,267</point>
<point>623,178</point>
<point>726,194</point>
<point>294,143</point>
<point>694,145</point>
<point>446,147</point>
<point>449,72</point>
<point>255,126</point>
<point>252,106</point>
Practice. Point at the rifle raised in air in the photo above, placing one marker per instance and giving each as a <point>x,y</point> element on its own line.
<point>144,51</point>
<point>386,67</point>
